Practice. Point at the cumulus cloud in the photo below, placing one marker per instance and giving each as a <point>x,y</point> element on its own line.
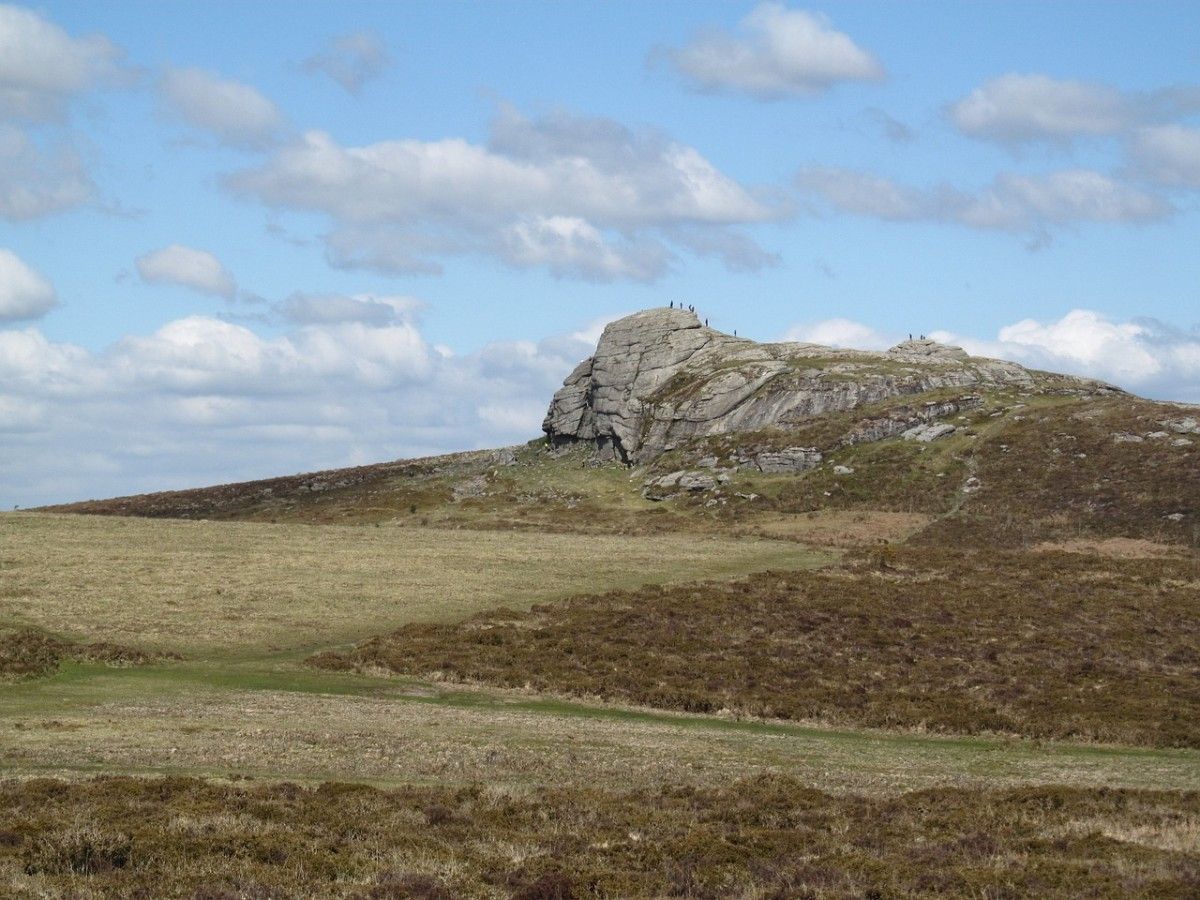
<point>41,66</point>
<point>202,400</point>
<point>36,182</point>
<point>840,333</point>
<point>351,60</point>
<point>24,294</point>
<point>1014,203</point>
<point>187,267</point>
<point>235,113</point>
<point>579,197</point>
<point>1143,355</point>
<point>1029,107</point>
<point>776,52</point>
<point>1168,154</point>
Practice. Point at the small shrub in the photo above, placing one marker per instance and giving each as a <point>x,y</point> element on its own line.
<point>83,850</point>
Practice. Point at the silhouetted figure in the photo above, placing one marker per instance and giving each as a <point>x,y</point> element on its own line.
<point>706,323</point>
<point>910,335</point>
<point>672,304</point>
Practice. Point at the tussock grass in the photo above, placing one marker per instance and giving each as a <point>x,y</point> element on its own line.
<point>762,837</point>
<point>1047,645</point>
<point>222,587</point>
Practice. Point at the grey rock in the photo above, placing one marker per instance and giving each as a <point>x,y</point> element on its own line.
<point>843,470</point>
<point>696,481</point>
<point>926,434</point>
<point>788,461</point>
<point>1174,517</point>
<point>1125,437</point>
<point>971,485</point>
<point>709,462</point>
<point>1188,425</point>
<point>659,378</point>
<point>684,480</point>
<point>1181,442</point>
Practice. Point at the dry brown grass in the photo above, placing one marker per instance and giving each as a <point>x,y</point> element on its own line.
<point>756,838</point>
<point>205,587</point>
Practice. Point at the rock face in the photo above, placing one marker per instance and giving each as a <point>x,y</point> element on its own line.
<point>660,377</point>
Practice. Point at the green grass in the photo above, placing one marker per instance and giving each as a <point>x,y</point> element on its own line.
<point>204,588</point>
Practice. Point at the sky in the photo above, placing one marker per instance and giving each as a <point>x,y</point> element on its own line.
<point>242,240</point>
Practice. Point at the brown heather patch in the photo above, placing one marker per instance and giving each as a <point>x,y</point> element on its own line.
<point>762,837</point>
<point>1061,474</point>
<point>26,652</point>
<point>1045,645</point>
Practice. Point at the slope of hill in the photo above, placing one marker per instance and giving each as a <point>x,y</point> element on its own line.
<point>674,426</point>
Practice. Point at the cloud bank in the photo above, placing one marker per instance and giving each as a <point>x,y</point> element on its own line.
<point>578,197</point>
<point>202,400</point>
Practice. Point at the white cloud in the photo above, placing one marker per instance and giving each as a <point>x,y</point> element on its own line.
<point>1168,154</point>
<point>41,65</point>
<point>24,294</point>
<point>1028,107</point>
<point>235,113</point>
<point>1016,203</point>
<point>204,401</point>
<point>325,309</point>
<point>1143,355</point>
<point>840,333</point>
<point>188,267</point>
<point>778,52</point>
<point>36,182</point>
<point>580,197</point>
<point>351,60</point>
<point>569,246</point>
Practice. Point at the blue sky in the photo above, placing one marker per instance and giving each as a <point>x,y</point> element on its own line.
<point>243,239</point>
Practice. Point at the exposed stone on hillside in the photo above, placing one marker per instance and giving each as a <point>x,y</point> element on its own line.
<point>660,378</point>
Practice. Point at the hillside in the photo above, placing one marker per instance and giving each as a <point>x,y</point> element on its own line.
<point>675,426</point>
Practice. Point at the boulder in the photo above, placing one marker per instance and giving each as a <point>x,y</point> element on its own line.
<point>788,461</point>
<point>928,433</point>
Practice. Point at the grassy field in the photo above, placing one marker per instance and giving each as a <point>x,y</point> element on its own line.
<point>204,588</point>
<point>593,693</point>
